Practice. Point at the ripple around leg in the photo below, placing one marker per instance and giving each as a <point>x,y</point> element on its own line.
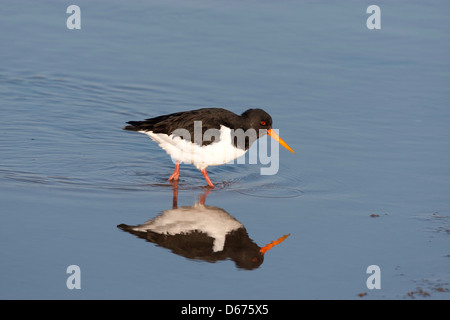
<point>248,181</point>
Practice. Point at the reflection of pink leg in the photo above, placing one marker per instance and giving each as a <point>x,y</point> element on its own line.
<point>203,197</point>
<point>205,174</point>
<point>176,173</point>
<point>175,194</point>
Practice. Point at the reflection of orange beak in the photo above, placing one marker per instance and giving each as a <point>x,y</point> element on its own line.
<point>266,248</point>
<point>272,134</point>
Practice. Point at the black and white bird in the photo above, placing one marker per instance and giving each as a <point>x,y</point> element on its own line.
<point>206,137</point>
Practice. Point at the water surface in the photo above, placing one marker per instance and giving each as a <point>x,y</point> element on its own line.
<point>366,111</point>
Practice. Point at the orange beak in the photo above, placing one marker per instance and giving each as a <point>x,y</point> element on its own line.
<point>266,248</point>
<point>272,134</point>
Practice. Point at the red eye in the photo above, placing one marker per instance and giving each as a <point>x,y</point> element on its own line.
<point>263,123</point>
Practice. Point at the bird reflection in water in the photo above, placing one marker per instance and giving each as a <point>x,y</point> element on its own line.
<point>202,232</point>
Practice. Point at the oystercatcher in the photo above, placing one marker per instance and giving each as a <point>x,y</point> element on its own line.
<point>206,137</point>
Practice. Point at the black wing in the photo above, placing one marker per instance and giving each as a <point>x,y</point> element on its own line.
<point>211,119</point>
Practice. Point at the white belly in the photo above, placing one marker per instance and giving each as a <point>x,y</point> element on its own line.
<point>183,151</point>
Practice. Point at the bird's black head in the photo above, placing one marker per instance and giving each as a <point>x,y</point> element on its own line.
<point>261,122</point>
<point>257,119</point>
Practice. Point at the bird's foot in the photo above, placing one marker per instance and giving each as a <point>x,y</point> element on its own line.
<point>176,173</point>
<point>205,174</point>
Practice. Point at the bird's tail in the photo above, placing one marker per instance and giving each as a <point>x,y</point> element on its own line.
<point>133,126</point>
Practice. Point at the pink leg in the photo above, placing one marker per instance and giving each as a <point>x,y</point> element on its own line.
<point>205,174</point>
<point>176,173</point>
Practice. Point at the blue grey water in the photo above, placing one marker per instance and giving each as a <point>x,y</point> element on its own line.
<point>367,112</point>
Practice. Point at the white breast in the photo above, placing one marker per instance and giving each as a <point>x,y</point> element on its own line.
<point>214,154</point>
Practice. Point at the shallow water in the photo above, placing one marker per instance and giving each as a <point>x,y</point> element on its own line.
<point>367,113</point>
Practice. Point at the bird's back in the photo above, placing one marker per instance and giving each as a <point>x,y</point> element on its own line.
<point>211,118</point>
